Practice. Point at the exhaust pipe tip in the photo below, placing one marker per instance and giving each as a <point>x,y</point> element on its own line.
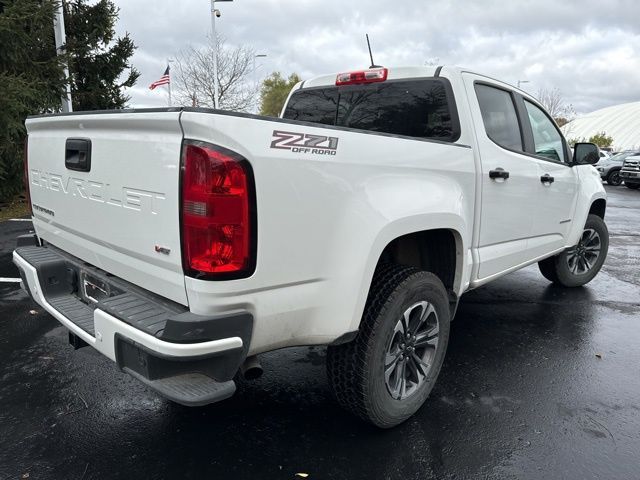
<point>251,368</point>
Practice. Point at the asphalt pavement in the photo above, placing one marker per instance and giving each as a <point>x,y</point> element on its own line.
<point>539,382</point>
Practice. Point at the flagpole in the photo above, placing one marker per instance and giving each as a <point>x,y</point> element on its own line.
<point>169,84</point>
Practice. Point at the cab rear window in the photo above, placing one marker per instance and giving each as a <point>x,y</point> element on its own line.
<point>415,108</point>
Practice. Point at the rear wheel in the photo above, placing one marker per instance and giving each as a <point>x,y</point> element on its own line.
<point>632,186</point>
<point>614,178</point>
<point>386,374</point>
<point>577,266</point>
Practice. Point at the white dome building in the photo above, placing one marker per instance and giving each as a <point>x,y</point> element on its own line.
<point>622,122</point>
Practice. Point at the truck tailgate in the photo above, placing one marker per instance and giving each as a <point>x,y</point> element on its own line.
<point>121,213</point>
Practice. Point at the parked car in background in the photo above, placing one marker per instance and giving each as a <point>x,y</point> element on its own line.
<point>609,168</point>
<point>630,171</point>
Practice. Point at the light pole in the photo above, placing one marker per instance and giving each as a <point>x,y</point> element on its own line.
<point>61,40</point>
<point>520,82</point>
<point>214,40</point>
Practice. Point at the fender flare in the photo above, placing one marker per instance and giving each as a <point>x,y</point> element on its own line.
<point>407,226</point>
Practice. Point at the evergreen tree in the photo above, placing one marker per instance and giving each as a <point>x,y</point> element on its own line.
<point>31,80</point>
<point>98,62</point>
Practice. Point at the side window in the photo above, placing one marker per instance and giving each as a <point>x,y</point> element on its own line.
<point>317,105</point>
<point>499,117</point>
<point>546,137</point>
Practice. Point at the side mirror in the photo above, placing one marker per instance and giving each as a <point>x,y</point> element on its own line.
<point>585,154</point>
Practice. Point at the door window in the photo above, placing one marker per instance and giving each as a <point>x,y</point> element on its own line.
<point>546,137</point>
<point>499,117</point>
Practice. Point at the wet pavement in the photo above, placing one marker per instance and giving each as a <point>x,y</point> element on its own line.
<point>539,382</point>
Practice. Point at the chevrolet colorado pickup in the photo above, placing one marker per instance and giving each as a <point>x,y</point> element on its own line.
<point>183,242</point>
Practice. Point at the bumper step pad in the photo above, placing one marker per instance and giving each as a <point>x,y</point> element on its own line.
<point>191,390</point>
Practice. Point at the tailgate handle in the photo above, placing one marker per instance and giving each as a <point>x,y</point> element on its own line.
<point>77,155</point>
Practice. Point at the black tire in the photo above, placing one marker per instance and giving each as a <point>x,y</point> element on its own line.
<point>564,269</point>
<point>614,178</point>
<point>632,186</point>
<point>356,370</point>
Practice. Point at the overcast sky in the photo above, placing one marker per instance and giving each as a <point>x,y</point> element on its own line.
<point>588,49</point>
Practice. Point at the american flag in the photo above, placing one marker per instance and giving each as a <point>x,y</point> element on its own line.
<point>163,80</point>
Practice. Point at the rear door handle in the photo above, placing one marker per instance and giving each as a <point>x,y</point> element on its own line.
<point>498,173</point>
<point>546,178</point>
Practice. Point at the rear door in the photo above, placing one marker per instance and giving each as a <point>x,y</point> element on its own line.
<point>105,187</point>
<point>557,186</point>
<point>509,178</point>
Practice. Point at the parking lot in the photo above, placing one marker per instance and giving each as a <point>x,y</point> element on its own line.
<point>539,382</point>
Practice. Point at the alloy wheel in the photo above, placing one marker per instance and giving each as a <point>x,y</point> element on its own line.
<point>582,257</point>
<point>411,350</point>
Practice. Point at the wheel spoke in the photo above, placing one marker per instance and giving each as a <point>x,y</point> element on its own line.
<point>593,256</point>
<point>413,324</point>
<point>584,265</point>
<point>413,370</point>
<point>427,311</point>
<point>397,380</point>
<point>405,322</point>
<point>391,365</point>
<point>427,339</point>
<point>420,364</point>
<point>591,235</point>
<point>573,263</point>
<point>587,263</point>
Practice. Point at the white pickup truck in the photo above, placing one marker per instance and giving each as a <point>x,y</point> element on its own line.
<point>183,242</point>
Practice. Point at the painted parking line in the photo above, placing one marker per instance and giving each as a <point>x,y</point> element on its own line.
<point>19,219</point>
<point>10,280</point>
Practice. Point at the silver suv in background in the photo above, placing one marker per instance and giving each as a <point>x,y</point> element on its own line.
<point>630,171</point>
<point>609,167</point>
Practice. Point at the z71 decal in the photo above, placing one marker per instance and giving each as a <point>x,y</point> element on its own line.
<point>305,143</point>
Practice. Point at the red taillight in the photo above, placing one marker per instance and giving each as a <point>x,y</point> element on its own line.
<point>25,164</point>
<point>217,205</point>
<point>364,76</point>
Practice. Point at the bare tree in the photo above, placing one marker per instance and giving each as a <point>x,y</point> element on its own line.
<point>194,84</point>
<point>554,103</point>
